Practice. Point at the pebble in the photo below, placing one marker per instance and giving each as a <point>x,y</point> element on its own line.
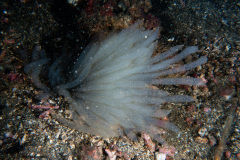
<point>201,140</point>
<point>203,132</point>
<point>160,156</point>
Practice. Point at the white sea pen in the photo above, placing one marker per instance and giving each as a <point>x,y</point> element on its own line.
<point>110,86</point>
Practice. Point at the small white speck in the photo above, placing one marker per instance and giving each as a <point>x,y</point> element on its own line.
<point>72,146</point>
<point>8,134</point>
<point>228,97</point>
<point>51,101</point>
<point>228,47</point>
<point>160,156</point>
<point>171,39</point>
<point>202,132</point>
<point>23,139</point>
